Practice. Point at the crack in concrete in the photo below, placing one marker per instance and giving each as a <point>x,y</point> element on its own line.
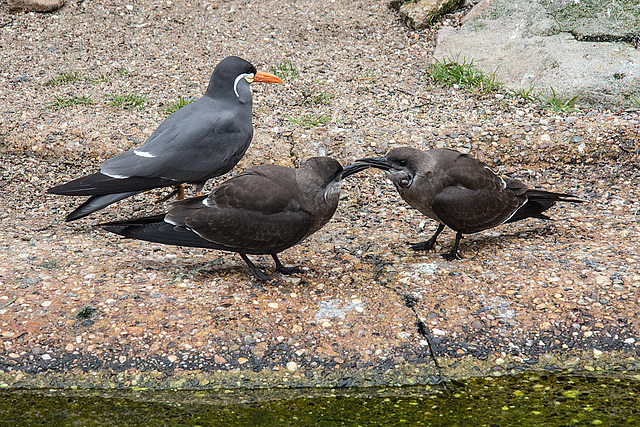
<point>409,302</point>
<point>633,39</point>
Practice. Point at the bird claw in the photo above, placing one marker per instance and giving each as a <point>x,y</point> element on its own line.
<point>450,256</point>
<point>422,246</point>
<point>289,270</point>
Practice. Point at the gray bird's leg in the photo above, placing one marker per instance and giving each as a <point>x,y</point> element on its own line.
<point>255,270</point>
<point>450,256</point>
<point>282,269</point>
<point>178,191</point>
<point>425,246</point>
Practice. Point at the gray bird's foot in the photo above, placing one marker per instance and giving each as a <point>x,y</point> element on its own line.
<point>450,256</point>
<point>422,246</point>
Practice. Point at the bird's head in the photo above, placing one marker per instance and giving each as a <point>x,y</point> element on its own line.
<point>323,176</point>
<point>232,76</point>
<point>400,165</point>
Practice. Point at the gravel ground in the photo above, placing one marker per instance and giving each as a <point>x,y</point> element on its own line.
<point>75,300</point>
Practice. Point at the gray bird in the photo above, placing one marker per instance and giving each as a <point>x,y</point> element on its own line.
<point>200,141</point>
<point>460,192</point>
<point>261,211</point>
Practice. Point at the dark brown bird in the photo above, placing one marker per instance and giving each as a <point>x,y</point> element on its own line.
<point>460,192</point>
<point>200,141</point>
<point>261,211</point>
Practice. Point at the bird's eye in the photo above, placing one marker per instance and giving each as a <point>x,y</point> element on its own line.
<point>402,162</point>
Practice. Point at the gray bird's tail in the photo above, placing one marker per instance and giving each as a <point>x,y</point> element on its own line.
<point>539,201</point>
<point>95,203</point>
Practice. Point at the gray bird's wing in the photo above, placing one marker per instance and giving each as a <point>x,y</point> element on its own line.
<point>473,198</point>
<point>200,141</point>
<point>254,212</point>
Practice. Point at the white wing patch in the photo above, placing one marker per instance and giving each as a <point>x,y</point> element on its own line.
<point>248,76</point>
<point>143,154</point>
<point>113,175</point>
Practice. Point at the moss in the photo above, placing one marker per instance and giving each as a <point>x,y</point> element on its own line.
<point>588,19</point>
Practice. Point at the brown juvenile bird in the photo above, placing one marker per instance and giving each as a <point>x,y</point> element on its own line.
<point>460,192</point>
<point>261,211</point>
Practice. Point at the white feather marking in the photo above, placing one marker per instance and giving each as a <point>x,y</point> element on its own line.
<point>167,220</point>
<point>332,191</point>
<point>241,76</point>
<point>113,175</point>
<point>514,212</point>
<point>206,202</point>
<point>143,154</point>
<point>503,183</point>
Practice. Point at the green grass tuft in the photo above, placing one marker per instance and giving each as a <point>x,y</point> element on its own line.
<point>316,98</point>
<point>176,105</point>
<point>127,101</point>
<point>285,70</point>
<point>122,72</point>
<point>309,120</point>
<point>64,78</point>
<point>61,102</point>
<point>450,71</point>
<point>524,94</point>
<point>557,102</point>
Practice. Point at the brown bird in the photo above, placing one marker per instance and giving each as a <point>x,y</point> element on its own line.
<point>460,192</point>
<point>261,211</point>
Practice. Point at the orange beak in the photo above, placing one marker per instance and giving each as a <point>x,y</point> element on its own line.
<point>262,77</point>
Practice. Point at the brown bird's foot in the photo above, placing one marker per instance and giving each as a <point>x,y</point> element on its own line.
<point>255,270</point>
<point>285,270</point>
<point>422,246</point>
<point>427,245</point>
<point>450,256</point>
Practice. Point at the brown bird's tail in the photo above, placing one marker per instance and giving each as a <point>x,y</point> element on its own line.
<point>539,201</point>
<point>155,229</point>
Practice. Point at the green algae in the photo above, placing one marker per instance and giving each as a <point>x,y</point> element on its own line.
<point>525,400</point>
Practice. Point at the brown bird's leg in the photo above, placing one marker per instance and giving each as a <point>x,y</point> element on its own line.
<point>255,270</point>
<point>450,256</point>
<point>282,269</point>
<point>425,246</point>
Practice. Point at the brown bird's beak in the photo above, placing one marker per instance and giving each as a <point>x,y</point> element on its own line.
<point>262,77</point>
<point>354,168</point>
<point>376,162</point>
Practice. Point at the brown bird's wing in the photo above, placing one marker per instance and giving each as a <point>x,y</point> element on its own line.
<point>473,198</point>
<point>256,212</point>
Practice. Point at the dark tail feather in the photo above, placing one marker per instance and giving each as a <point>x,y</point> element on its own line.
<point>99,184</point>
<point>539,201</point>
<point>95,203</point>
<point>154,229</point>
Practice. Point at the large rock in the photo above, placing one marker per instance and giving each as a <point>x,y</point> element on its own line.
<point>581,48</point>
<point>35,5</point>
<point>420,14</point>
